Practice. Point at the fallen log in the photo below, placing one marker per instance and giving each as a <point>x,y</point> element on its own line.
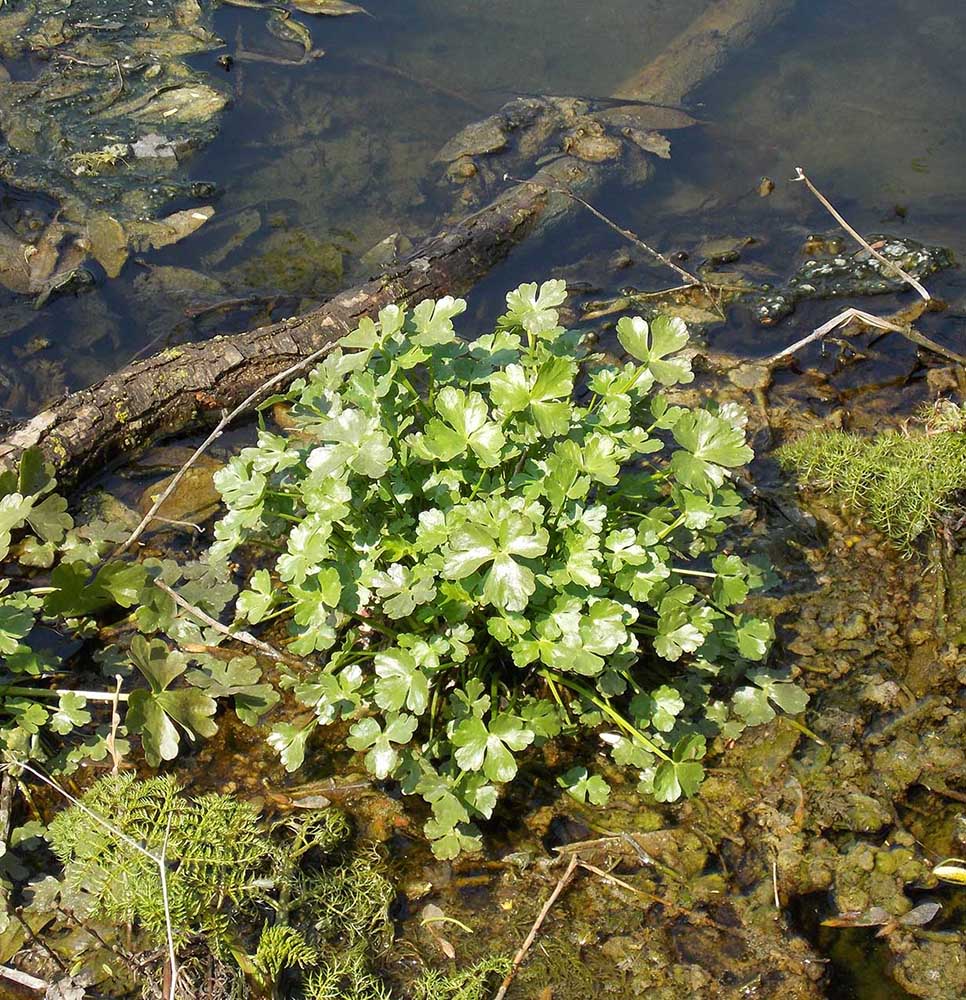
<point>190,385</point>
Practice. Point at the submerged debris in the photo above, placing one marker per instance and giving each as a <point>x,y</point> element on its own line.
<point>831,275</point>
<point>107,113</point>
<point>112,106</point>
<point>533,130</point>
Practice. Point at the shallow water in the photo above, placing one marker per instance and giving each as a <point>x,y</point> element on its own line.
<point>314,164</point>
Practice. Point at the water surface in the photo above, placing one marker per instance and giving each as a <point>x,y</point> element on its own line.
<point>314,164</point>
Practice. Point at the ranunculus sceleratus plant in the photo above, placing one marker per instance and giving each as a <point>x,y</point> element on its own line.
<point>488,543</point>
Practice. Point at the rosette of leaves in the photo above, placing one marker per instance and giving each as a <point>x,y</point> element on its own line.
<point>485,544</point>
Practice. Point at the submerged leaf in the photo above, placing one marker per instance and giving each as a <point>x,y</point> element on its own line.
<point>328,8</point>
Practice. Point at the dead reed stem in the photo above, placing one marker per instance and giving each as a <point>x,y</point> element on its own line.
<point>861,240</point>
<point>534,930</point>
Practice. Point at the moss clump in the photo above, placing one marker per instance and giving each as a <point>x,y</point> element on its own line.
<point>905,483</point>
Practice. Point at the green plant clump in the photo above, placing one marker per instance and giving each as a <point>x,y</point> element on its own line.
<point>226,871</point>
<point>284,903</point>
<point>495,542</point>
<point>904,483</point>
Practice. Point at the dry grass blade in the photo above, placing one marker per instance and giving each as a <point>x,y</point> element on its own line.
<point>226,419</point>
<point>844,317</point>
<point>861,240</point>
<point>163,872</point>
<point>244,637</point>
<point>537,924</point>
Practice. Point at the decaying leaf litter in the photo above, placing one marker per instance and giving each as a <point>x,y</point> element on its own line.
<point>101,122</point>
<point>843,804</point>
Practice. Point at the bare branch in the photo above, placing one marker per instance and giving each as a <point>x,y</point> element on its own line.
<point>244,637</point>
<point>843,318</point>
<point>858,315</point>
<point>688,278</point>
<point>861,240</point>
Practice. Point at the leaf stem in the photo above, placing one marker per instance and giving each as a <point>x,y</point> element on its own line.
<point>676,523</point>
<point>607,709</point>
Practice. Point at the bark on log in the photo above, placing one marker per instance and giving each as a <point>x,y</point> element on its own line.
<point>178,388</point>
<point>183,387</point>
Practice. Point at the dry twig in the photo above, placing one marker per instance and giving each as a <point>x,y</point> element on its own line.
<point>861,240</point>
<point>226,419</point>
<point>111,740</point>
<point>245,637</point>
<point>614,880</point>
<point>844,317</point>
<point>24,979</point>
<point>163,871</point>
<point>534,930</point>
<point>687,277</point>
<point>848,315</point>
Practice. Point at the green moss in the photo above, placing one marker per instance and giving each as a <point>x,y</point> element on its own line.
<point>262,901</point>
<point>904,483</point>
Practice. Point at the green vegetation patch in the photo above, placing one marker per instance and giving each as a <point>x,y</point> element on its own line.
<point>466,548</point>
<point>905,483</point>
<point>287,902</point>
<point>493,543</point>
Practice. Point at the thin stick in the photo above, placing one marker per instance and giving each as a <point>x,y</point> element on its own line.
<point>418,81</point>
<point>15,689</point>
<point>115,725</point>
<point>24,979</point>
<point>847,315</point>
<point>614,880</point>
<point>689,278</point>
<point>921,340</point>
<point>774,882</point>
<point>861,240</point>
<point>541,916</point>
<point>180,524</point>
<point>163,869</point>
<point>226,419</point>
<point>130,841</point>
<point>246,637</point>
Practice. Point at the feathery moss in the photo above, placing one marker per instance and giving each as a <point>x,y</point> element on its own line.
<point>905,483</point>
